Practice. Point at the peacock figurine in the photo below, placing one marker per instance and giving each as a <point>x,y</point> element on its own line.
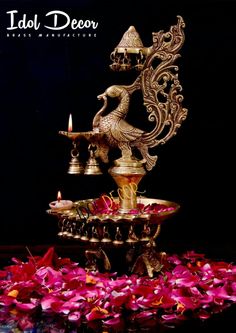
<point>118,132</point>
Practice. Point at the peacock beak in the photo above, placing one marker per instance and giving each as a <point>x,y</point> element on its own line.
<point>102,96</point>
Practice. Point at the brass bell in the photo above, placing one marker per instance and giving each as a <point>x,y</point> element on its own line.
<point>132,238</point>
<point>118,237</point>
<point>106,237</point>
<point>145,234</point>
<point>76,236</point>
<point>115,66</point>
<point>106,240</point>
<point>84,233</point>
<point>69,235</point>
<point>60,234</point>
<point>75,167</point>
<point>145,239</point>
<point>118,242</point>
<point>125,67</point>
<point>138,67</point>
<point>92,166</point>
<point>140,60</point>
<point>65,234</point>
<point>84,238</point>
<point>94,238</point>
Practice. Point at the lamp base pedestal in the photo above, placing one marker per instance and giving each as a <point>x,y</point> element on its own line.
<point>127,173</point>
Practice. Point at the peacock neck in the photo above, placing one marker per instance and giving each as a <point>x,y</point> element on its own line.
<point>123,107</point>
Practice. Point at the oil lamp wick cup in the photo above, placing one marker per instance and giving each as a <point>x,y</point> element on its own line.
<point>60,204</point>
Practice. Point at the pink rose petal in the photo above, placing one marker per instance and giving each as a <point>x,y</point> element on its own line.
<point>74,316</point>
<point>187,283</point>
<point>170,316</point>
<point>25,306</point>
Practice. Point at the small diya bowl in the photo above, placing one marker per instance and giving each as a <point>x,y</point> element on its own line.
<point>61,205</point>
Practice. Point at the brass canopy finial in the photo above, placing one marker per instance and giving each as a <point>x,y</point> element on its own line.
<point>130,40</point>
<point>130,52</point>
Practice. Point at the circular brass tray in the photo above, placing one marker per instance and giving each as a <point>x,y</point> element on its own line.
<point>170,209</point>
<point>112,227</point>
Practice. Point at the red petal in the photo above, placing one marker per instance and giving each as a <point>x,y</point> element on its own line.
<point>203,314</point>
<point>47,259</point>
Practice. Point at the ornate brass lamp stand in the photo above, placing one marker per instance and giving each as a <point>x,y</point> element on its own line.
<point>127,222</point>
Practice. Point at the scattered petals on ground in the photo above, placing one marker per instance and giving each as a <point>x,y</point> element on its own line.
<point>189,285</point>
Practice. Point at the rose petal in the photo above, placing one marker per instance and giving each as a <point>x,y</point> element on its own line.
<point>170,316</point>
<point>145,314</point>
<point>74,316</point>
<point>97,313</point>
<point>203,314</point>
<point>113,321</point>
<point>25,306</point>
<point>47,301</point>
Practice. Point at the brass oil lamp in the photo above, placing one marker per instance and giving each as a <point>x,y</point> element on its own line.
<point>158,81</point>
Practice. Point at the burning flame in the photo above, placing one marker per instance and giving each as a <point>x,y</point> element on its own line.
<point>58,196</point>
<point>70,126</point>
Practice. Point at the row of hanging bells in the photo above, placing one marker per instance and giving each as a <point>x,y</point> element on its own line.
<point>77,168</point>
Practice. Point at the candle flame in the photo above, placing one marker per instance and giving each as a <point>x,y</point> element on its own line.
<point>70,126</point>
<point>59,196</point>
